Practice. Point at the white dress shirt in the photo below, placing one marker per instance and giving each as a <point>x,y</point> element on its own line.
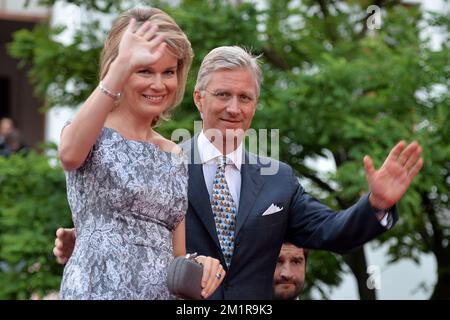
<point>208,153</point>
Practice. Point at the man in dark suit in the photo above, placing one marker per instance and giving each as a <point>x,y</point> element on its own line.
<point>242,206</point>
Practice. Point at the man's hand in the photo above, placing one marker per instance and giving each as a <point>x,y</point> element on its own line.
<point>390,183</point>
<point>64,244</point>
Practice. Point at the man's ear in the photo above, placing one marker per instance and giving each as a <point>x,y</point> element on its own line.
<point>197,100</point>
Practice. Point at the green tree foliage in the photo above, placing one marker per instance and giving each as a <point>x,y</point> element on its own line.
<point>359,94</point>
<point>32,205</point>
<point>332,87</point>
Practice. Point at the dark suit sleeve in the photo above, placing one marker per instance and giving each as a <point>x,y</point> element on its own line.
<point>314,225</point>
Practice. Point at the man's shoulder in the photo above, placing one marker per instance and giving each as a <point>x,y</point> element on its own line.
<point>269,165</point>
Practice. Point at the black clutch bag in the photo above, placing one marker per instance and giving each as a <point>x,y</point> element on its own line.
<point>184,278</point>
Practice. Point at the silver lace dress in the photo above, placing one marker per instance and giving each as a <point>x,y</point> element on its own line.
<point>126,199</point>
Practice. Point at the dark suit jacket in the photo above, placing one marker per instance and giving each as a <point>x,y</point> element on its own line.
<point>304,221</point>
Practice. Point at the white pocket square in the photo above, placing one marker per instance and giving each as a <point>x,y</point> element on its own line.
<point>272,209</point>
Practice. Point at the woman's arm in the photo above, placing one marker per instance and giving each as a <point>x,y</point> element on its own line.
<point>213,272</point>
<point>78,137</point>
<point>179,239</point>
<point>135,51</point>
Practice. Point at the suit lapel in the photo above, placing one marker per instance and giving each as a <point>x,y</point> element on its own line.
<point>251,183</point>
<point>198,194</point>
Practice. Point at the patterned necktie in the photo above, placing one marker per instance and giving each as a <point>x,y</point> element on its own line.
<point>224,210</point>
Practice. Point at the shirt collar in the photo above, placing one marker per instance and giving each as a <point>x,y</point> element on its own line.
<point>208,152</point>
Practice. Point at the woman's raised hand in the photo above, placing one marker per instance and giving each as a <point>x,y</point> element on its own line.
<point>140,46</point>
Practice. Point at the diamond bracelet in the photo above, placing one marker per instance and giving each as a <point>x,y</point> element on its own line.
<point>104,90</point>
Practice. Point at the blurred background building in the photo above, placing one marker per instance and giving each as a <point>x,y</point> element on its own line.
<point>17,99</point>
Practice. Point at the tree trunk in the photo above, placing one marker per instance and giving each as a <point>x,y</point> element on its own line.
<point>358,264</point>
<point>442,253</point>
<point>442,287</point>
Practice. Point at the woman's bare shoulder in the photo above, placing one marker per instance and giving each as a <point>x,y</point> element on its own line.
<point>167,145</point>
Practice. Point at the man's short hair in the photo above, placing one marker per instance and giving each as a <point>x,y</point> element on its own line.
<point>305,251</point>
<point>228,57</point>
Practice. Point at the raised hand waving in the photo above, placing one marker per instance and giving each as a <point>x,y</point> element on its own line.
<point>388,184</point>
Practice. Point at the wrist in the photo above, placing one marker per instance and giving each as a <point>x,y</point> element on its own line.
<point>113,95</point>
<point>200,259</point>
<point>378,204</point>
<point>116,76</point>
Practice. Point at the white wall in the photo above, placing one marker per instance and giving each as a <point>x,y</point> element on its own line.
<point>17,7</point>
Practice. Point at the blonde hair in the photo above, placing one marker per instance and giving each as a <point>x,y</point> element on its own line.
<point>176,39</point>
